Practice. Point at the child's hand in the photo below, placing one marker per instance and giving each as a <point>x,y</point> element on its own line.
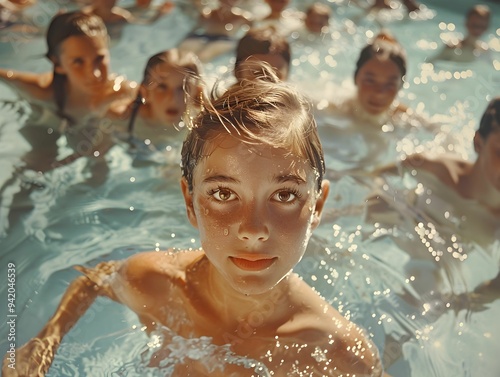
<point>33,359</point>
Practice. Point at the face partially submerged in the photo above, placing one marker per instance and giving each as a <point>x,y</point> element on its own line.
<point>378,82</point>
<point>255,207</point>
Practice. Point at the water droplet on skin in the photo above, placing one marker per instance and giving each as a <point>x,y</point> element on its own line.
<point>226,232</point>
<point>206,211</point>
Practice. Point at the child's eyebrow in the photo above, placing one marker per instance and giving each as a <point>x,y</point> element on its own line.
<point>220,178</point>
<point>295,178</point>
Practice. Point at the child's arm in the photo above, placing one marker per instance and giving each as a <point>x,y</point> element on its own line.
<point>30,85</point>
<point>36,356</point>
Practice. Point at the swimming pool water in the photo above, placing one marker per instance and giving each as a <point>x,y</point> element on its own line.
<point>383,279</point>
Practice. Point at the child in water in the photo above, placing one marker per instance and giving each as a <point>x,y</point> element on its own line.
<point>253,186</point>
<point>380,71</point>
<point>110,13</point>
<point>216,30</point>
<point>168,86</point>
<point>470,191</point>
<point>317,18</point>
<point>477,22</point>
<point>78,91</point>
<point>262,44</point>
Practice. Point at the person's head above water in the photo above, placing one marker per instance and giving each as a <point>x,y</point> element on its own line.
<point>379,74</point>
<point>477,20</point>
<point>253,168</point>
<point>169,83</point>
<point>77,45</point>
<point>317,17</point>
<point>262,44</point>
<point>257,111</point>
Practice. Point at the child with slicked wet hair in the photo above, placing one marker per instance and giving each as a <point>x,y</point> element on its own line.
<point>253,186</point>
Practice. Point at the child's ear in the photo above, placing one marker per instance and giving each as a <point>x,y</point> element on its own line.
<point>320,203</point>
<point>478,142</point>
<point>188,199</point>
<point>57,66</point>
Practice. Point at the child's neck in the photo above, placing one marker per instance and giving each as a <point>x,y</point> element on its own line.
<point>470,42</point>
<point>78,101</point>
<point>234,307</point>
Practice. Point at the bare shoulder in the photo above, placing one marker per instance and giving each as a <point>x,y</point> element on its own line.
<point>336,342</point>
<point>120,93</point>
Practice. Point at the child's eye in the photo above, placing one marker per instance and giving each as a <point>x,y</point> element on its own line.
<point>162,86</point>
<point>99,59</point>
<point>286,196</point>
<point>78,61</point>
<point>222,194</point>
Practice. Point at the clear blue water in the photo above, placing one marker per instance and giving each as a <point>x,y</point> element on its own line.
<point>383,279</point>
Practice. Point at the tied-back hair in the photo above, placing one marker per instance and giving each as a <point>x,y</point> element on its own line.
<point>259,111</point>
<point>61,27</point>
<point>186,63</point>
<point>490,121</point>
<point>384,46</point>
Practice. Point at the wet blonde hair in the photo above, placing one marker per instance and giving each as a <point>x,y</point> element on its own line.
<point>263,110</point>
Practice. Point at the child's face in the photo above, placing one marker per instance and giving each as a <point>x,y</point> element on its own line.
<point>255,207</point>
<point>378,82</point>
<point>476,25</point>
<point>165,94</point>
<point>251,65</point>
<point>85,61</point>
<point>489,157</point>
<point>316,22</point>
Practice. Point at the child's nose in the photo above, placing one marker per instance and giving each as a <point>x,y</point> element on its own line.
<point>253,226</point>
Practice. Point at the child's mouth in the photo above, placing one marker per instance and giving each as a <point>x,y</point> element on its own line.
<point>253,265</point>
